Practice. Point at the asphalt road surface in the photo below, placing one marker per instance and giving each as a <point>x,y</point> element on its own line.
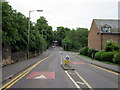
<point>48,73</point>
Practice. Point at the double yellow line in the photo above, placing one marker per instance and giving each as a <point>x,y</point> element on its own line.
<point>20,76</point>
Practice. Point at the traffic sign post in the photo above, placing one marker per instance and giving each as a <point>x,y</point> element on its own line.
<point>67,62</point>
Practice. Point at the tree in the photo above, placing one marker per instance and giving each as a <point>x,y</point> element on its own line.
<point>10,32</point>
<point>76,39</point>
<point>45,30</point>
<point>15,30</point>
<point>22,27</point>
<point>61,34</point>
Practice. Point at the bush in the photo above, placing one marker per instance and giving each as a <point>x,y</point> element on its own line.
<point>84,51</point>
<point>107,56</point>
<point>90,51</point>
<point>98,54</point>
<point>111,46</point>
<point>116,58</point>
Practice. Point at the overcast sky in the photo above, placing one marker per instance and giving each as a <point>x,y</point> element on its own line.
<point>68,13</point>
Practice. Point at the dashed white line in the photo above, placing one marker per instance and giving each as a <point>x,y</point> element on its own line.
<point>83,80</point>
<point>61,62</point>
<point>80,82</point>
<point>72,80</point>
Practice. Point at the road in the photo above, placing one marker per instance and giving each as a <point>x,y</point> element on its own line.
<point>48,73</point>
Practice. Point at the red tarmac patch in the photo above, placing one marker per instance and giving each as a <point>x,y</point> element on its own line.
<point>41,75</point>
<point>77,63</point>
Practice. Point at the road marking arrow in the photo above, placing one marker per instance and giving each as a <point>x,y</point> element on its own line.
<point>41,77</point>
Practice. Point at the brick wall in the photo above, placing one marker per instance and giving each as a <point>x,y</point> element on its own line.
<point>94,40</point>
<point>113,37</point>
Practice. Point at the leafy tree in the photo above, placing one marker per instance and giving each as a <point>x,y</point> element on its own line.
<point>37,42</point>
<point>10,32</point>
<point>45,30</point>
<point>75,39</point>
<point>22,24</point>
<point>61,34</point>
<point>15,30</point>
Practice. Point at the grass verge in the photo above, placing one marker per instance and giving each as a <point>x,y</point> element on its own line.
<point>106,62</point>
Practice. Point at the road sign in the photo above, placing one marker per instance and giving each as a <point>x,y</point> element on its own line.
<point>41,75</point>
<point>67,57</point>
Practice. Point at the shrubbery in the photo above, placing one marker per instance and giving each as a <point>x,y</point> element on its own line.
<point>111,46</point>
<point>98,54</point>
<point>110,54</point>
<point>91,51</point>
<point>84,51</point>
<point>107,56</point>
<point>116,58</point>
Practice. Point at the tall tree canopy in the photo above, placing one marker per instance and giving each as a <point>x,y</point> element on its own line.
<point>15,30</point>
<point>71,39</point>
<point>61,34</point>
<point>45,30</point>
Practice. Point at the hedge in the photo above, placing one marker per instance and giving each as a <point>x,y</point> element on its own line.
<point>107,56</point>
<point>116,58</point>
<point>98,54</point>
<point>84,51</point>
<point>91,51</point>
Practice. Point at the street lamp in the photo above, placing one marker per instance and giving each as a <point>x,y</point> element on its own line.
<point>29,30</point>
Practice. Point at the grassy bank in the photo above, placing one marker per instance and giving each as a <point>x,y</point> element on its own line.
<point>106,62</point>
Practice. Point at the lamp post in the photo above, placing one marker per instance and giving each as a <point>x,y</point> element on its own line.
<point>29,31</point>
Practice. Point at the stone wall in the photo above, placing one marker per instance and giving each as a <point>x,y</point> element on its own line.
<point>17,56</point>
<point>8,57</point>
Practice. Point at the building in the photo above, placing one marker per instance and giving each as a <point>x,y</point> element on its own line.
<point>101,31</point>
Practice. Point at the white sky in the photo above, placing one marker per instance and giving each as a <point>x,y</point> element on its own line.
<point>68,13</point>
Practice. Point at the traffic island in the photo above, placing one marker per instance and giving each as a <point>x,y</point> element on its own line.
<point>66,64</point>
<point>67,67</point>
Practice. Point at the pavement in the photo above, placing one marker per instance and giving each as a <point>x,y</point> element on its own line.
<point>114,68</point>
<point>46,72</point>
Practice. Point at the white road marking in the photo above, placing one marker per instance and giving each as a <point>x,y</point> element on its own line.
<point>61,62</point>
<point>72,80</point>
<point>71,73</point>
<point>83,80</point>
<point>41,77</point>
<point>9,77</point>
<point>80,82</point>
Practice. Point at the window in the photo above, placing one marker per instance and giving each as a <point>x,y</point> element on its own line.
<point>106,28</point>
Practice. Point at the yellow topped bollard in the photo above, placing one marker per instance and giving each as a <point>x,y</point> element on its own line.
<point>66,65</point>
<point>67,62</point>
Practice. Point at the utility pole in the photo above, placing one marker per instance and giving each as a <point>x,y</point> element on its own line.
<point>28,53</point>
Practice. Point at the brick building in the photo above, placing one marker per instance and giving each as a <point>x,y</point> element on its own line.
<point>101,31</point>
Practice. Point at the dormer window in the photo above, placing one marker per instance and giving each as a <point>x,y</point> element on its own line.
<point>106,28</point>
